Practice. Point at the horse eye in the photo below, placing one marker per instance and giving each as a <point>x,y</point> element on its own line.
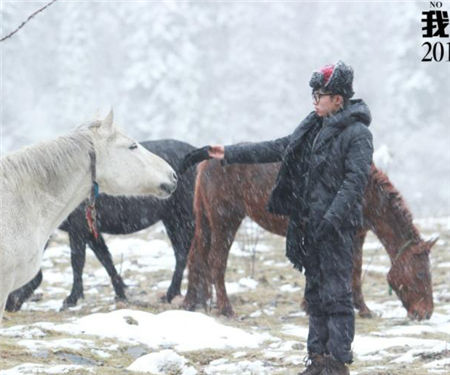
<point>133,146</point>
<point>421,275</point>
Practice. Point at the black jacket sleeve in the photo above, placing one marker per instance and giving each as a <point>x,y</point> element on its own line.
<point>357,167</point>
<point>261,152</point>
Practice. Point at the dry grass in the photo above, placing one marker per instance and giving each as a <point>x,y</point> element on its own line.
<point>277,308</point>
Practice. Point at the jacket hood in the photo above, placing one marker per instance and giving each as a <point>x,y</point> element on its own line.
<point>356,110</point>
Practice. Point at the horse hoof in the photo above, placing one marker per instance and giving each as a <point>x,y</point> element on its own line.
<point>120,299</point>
<point>188,306</point>
<point>67,303</point>
<point>121,303</point>
<point>13,304</point>
<point>66,306</point>
<point>177,302</point>
<point>227,311</point>
<point>162,297</point>
<point>170,296</point>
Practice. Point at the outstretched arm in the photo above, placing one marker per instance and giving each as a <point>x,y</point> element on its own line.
<point>245,153</point>
<point>260,152</point>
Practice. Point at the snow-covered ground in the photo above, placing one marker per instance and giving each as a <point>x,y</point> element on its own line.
<point>267,336</point>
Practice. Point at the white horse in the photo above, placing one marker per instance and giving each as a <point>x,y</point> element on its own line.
<point>42,184</point>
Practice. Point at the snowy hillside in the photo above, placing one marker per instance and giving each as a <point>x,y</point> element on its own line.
<point>228,71</point>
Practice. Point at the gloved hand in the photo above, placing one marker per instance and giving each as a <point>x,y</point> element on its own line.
<point>194,157</point>
<point>324,230</point>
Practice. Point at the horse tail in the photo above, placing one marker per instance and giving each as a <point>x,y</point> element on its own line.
<point>199,278</point>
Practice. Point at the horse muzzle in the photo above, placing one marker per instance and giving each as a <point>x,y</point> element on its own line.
<point>169,187</point>
<point>420,313</point>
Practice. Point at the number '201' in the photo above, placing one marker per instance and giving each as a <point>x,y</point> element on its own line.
<point>436,51</point>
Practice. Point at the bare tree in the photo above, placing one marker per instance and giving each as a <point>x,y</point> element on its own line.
<point>27,20</point>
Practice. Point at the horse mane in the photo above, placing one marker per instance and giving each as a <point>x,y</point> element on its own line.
<point>42,162</point>
<point>391,199</point>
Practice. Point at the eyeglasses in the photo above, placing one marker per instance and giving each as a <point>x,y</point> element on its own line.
<point>317,95</point>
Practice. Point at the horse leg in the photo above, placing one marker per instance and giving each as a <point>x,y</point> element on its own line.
<point>104,256</point>
<point>222,238</point>
<point>180,233</point>
<point>199,284</point>
<point>358,298</point>
<point>6,282</point>
<point>20,295</point>
<point>77,258</point>
<point>2,306</point>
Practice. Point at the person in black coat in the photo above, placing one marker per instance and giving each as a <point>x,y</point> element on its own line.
<point>324,169</point>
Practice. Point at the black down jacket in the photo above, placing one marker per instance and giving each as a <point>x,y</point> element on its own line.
<point>331,185</point>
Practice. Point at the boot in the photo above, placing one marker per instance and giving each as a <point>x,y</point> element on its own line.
<point>332,366</point>
<point>314,365</point>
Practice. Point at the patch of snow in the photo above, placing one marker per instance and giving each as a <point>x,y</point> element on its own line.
<point>52,290</point>
<point>283,264</point>
<point>57,254</point>
<point>181,330</point>
<point>289,288</point>
<point>411,355</point>
<point>376,269</point>
<point>294,359</point>
<point>283,345</point>
<point>372,245</point>
<point>56,276</point>
<point>237,249</point>
<point>242,285</point>
<point>371,345</point>
<point>295,330</point>
<point>273,354</point>
<point>248,282</point>
<point>22,331</point>
<point>239,354</point>
<point>220,367</point>
<point>101,353</point>
<point>46,305</point>
<point>298,314</point>
<point>161,363</point>
<point>416,329</point>
<point>163,284</point>
<point>389,309</point>
<point>75,344</point>
<point>439,365</point>
<point>35,368</point>
<point>135,254</point>
<point>438,319</point>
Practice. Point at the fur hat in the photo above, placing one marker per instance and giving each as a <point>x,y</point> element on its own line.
<point>335,79</point>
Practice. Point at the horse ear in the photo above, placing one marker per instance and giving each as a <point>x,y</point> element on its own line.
<point>432,242</point>
<point>107,123</point>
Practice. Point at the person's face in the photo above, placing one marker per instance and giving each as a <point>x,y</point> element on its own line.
<point>326,104</point>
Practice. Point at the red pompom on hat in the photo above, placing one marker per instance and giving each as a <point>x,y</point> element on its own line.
<point>334,79</point>
<point>327,71</point>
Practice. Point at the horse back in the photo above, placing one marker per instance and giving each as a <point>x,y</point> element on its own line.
<point>238,190</point>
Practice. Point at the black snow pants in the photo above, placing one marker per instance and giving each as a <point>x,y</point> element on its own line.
<point>328,269</point>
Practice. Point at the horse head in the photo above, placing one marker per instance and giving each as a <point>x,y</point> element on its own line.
<point>124,167</point>
<point>410,278</point>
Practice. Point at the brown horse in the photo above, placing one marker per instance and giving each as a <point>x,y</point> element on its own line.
<point>224,196</point>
